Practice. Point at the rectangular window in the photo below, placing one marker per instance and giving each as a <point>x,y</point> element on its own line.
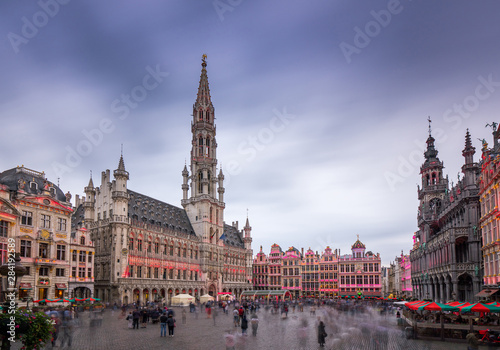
<point>43,250</point>
<point>164,274</point>
<point>61,224</point>
<point>149,246</point>
<point>157,247</point>
<point>171,274</point>
<point>60,272</point>
<point>82,257</point>
<point>139,244</point>
<point>171,250</point>
<point>27,218</point>
<point>4,228</point>
<point>90,257</point>
<point>165,249</point>
<point>45,221</point>
<point>61,252</point>
<point>73,271</point>
<point>131,244</point>
<point>81,272</point>
<point>139,271</point>
<point>3,253</point>
<point>178,274</point>
<point>156,272</point>
<point>44,271</point>
<point>184,274</point>
<point>131,271</point>
<point>73,254</point>
<point>89,272</point>
<point>25,248</point>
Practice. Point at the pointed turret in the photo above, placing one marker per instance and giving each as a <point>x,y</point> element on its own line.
<point>89,202</point>
<point>185,186</point>
<point>469,169</point>
<point>203,108</point>
<point>432,169</point>
<point>120,194</point>
<point>247,239</point>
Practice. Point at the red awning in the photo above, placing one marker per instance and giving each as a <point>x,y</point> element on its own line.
<point>61,286</point>
<point>486,293</point>
<point>26,286</point>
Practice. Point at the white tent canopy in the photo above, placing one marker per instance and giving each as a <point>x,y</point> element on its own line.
<point>205,298</point>
<point>182,299</point>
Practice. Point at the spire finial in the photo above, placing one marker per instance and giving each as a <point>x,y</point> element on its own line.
<point>122,150</point>
<point>358,237</point>
<point>90,173</point>
<point>204,60</point>
<point>430,121</point>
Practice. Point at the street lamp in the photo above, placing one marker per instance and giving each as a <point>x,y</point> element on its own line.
<point>11,269</point>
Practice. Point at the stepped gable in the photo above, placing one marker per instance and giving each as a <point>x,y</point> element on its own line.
<point>232,237</point>
<point>154,212</point>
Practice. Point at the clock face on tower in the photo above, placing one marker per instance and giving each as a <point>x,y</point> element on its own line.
<point>359,267</point>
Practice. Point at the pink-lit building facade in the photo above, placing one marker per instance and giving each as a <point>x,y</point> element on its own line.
<point>360,272</point>
<point>405,276</point>
<point>319,275</point>
<point>260,271</point>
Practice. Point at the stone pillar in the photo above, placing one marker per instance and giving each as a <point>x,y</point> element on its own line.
<point>447,290</point>
<point>441,293</point>
<point>455,288</point>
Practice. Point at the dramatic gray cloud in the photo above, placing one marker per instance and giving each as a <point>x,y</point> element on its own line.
<point>321,106</point>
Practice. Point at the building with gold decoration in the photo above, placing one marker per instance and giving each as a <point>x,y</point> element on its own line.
<point>37,214</point>
<point>489,223</point>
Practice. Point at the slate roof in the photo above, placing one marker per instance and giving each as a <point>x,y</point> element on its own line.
<point>11,177</point>
<point>77,219</point>
<point>232,237</point>
<point>153,211</point>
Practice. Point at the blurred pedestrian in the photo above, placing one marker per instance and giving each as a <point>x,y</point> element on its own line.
<point>130,319</point>
<point>230,340</point>
<point>321,334</point>
<point>171,325</point>
<point>163,324</point>
<point>254,321</point>
<point>236,317</point>
<point>183,317</point>
<point>244,324</point>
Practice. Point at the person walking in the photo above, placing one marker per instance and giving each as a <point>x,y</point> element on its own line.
<point>254,321</point>
<point>236,317</point>
<point>67,330</point>
<point>135,316</point>
<point>130,319</point>
<point>321,334</point>
<point>171,325</point>
<point>244,324</point>
<point>163,324</point>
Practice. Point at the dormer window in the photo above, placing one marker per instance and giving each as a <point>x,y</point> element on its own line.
<point>52,191</point>
<point>33,186</point>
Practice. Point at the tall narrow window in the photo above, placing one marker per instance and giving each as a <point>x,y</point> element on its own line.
<point>200,147</point>
<point>207,147</point>
<point>200,184</point>
<point>4,228</point>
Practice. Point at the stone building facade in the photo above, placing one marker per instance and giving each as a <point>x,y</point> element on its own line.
<point>147,250</point>
<point>37,215</point>
<point>360,272</point>
<point>489,223</point>
<point>446,257</point>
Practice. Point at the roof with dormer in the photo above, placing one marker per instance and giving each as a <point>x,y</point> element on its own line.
<point>13,178</point>
<point>152,211</point>
<point>358,245</point>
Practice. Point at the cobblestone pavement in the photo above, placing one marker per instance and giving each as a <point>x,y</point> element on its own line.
<point>296,332</point>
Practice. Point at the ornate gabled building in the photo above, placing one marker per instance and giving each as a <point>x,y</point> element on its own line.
<point>446,257</point>
<point>310,274</point>
<point>260,271</point>
<point>360,272</point>
<point>489,223</point>
<point>328,273</point>
<point>291,271</point>
<point>274,280</point>
<point>148,250</point>
<point>36,214</point>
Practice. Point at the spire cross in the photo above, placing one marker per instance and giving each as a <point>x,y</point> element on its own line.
<point>122,150</point>
<point>90,173</point>
<point>430,121</point>
<point>358,237</point>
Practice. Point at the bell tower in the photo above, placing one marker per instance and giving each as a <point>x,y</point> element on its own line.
<point>205,208</point>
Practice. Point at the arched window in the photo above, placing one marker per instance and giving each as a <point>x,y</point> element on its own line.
<point>207,147</point>
<point>200,147</point>
<point>207,113</point>
<point>209,183</point>
<point>200,184</point>
<point>200,115</point>
<point>434,178</point>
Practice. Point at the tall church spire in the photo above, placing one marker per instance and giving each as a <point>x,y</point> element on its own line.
<point>203,108</point>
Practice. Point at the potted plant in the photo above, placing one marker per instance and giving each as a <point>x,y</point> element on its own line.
<point>33,329</point>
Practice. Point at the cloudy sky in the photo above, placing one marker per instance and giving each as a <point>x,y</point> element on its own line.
<point>321,106</point>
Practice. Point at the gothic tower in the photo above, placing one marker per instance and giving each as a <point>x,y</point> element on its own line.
<point>204,209</point>
<point>434,188</point>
